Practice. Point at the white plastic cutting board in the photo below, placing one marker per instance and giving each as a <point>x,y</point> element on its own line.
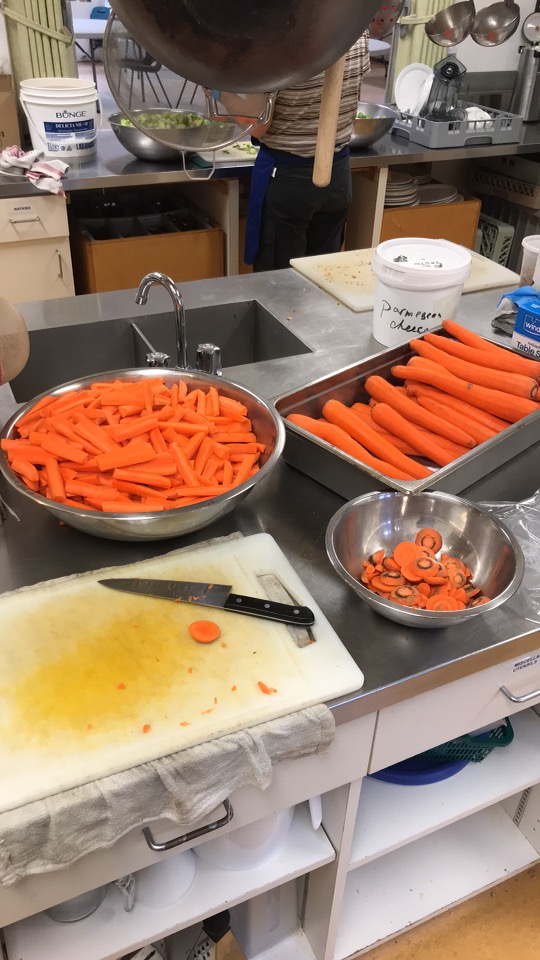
<point>349,278</point>
<point>85,670</point>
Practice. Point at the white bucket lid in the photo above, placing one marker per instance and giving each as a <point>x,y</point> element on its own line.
<point>421,262</point>
<point>60,84</point>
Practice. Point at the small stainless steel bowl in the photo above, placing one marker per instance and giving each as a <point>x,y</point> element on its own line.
<point>368,131</point>
<point>382,519</point>
<point>267,424</point>
<point>141,145</point>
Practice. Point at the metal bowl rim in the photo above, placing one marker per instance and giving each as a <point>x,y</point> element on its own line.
<point>389,113</point>
<point>386,606</point>
<point>53,505</point>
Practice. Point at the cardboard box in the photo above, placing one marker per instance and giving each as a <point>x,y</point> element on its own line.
<point>9,124</point>
<point>457,222</point>
<point>118,264</point>
<point>526,335</point>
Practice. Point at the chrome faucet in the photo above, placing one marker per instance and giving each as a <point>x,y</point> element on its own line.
<point>179,313</point>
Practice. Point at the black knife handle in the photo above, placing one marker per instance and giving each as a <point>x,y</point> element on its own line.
<point>270,610</point>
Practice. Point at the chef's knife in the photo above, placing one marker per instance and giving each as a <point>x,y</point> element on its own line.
<point>214,595</point>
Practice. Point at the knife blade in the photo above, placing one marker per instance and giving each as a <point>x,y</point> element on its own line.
<point>214,595</point>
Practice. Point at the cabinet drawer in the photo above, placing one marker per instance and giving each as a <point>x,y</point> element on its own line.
<point>431,718</point>
<point>32,218</point>
<point>37,271</point>
<point>293,781</point>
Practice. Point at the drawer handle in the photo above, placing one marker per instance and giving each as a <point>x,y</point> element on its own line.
<point>524,699</point>
<point>200,832</point>
<point>60,265</point>
<point>27,220</point>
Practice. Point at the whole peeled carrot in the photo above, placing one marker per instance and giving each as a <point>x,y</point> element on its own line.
<point>339,438</point>
<point>384,392</point>
<point>500,359</point>
<point>418,390</point>
<point>503,405</point>
<point>336,412</point>
<point>391,420</point>
<point>474,340</point>
<point>477,430</point>
<point>514,383</point>
<point>363,410</point>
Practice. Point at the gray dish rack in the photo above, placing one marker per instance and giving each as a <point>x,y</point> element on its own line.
<point>501,127</point>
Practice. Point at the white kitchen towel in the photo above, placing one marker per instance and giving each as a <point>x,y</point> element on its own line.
<point>51,834</point>
<point>44,174</point>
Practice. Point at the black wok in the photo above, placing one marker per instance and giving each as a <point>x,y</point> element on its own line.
<point>248,46</point>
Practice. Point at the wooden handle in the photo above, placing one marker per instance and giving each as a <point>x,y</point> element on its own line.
<point>328,120</point>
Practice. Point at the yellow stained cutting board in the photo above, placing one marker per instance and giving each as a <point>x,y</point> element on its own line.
<point>93,681</point>
<point>349,278</point>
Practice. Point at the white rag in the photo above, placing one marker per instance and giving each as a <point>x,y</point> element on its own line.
<point>44,174</point>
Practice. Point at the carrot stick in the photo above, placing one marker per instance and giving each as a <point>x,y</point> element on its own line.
<point>338,413</point>
<point>384,392</point>
<point>418,390</point>
<point>63,449</point>
<point>125,456</point>
<point>513,383</point>
<point>25,469</point>
<point>503,405</point>
<point>497,360</point>
<point>333,434</point>
<point>391,420</point>
<point>55,481</point>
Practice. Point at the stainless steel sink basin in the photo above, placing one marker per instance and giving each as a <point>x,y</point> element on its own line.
<point>246,332</point>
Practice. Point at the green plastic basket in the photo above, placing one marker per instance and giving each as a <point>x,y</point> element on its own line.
<point>472,748</point>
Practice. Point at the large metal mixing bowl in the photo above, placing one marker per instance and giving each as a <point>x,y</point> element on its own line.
<point>246,47</point>
<point>140,144</point>
<point>267,425</point>
<point>378,121</point>
<point>380,520</point>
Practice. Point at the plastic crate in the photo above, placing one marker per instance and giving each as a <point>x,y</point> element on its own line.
<point>501,127</point>
<point>508,188</point>
<point>496,239</point>
<point>524,220</point>
<point>522,168</point>
<point>471,748</point>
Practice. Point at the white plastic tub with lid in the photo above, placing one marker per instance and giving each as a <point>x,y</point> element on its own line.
<point>419,283</point>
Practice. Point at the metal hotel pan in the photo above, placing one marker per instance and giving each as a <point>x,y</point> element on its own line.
<point>344,475</point>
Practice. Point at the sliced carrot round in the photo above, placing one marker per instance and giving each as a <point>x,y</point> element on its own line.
<point>406,552</point>
<point>442,602</point>
<point>204,631</point>
<point>430,538</point>
<point>405,594</point>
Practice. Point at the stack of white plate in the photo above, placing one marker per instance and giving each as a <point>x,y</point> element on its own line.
<point>401,190</point>
<point>431,193</point>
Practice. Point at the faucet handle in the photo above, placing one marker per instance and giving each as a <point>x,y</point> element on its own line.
<point>157,359</point>
<point>209,359</point>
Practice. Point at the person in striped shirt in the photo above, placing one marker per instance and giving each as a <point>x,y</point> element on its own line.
<point>288,216</point>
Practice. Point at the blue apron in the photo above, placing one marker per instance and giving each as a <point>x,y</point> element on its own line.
<point>265,163</point>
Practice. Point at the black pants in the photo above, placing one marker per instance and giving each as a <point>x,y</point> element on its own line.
<point>300,219</point>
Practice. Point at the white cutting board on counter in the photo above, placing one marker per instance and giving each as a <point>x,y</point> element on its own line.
<point>348,276</point>
<point>93,681</point>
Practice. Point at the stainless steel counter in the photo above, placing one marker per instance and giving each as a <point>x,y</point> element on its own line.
<point>114,167</point>
<point>397,663</point>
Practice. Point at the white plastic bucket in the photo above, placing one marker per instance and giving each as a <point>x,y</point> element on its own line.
<point>419,283</point>
<point>529,260</point>
<point>62,115</point>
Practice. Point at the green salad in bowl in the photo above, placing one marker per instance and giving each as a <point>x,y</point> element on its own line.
<point>167,120</point>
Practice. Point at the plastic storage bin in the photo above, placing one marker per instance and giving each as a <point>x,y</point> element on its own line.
<point>501,127</point>
<point>470,747</point>
<point>496,239</point>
